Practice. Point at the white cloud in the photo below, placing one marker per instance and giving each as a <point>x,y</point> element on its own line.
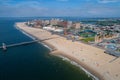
<point>63,0</point>
<point>108,1</point>
<point>37,8</point>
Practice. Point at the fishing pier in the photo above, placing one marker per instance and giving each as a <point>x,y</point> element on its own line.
<point>4,46</point>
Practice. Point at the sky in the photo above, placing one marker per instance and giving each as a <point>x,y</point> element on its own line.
<point>69,8</point>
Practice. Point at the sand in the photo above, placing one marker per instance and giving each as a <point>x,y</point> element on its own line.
<point>91,58</point>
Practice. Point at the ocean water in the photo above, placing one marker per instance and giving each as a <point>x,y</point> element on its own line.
<point>33,61</point>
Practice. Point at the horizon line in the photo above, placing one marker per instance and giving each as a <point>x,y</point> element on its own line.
<point>52,16</point>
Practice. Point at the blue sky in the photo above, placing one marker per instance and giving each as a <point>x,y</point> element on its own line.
<point>81,8</point>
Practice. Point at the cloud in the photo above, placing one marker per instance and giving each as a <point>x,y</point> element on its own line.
<point>108,1</point>
<point>56,8</point>
<point>29,8</point>
<point>63,0</point>
<point>104,11</point>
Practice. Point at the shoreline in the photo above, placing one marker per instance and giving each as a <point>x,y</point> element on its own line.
<point>94,75</point>
<point>99,72</point>
<point>25,33</point>
<point>34,38</point>
<point>78,65</point>
<point>50,47</point>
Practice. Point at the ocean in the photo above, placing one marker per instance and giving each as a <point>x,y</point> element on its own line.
<point>32,61</point>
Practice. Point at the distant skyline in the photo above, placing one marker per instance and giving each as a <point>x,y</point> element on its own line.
<point>81,8</point>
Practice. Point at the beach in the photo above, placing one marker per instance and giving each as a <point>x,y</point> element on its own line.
<point>91,58</point>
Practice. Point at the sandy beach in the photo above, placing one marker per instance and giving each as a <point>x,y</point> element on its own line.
<point>91,58</point>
